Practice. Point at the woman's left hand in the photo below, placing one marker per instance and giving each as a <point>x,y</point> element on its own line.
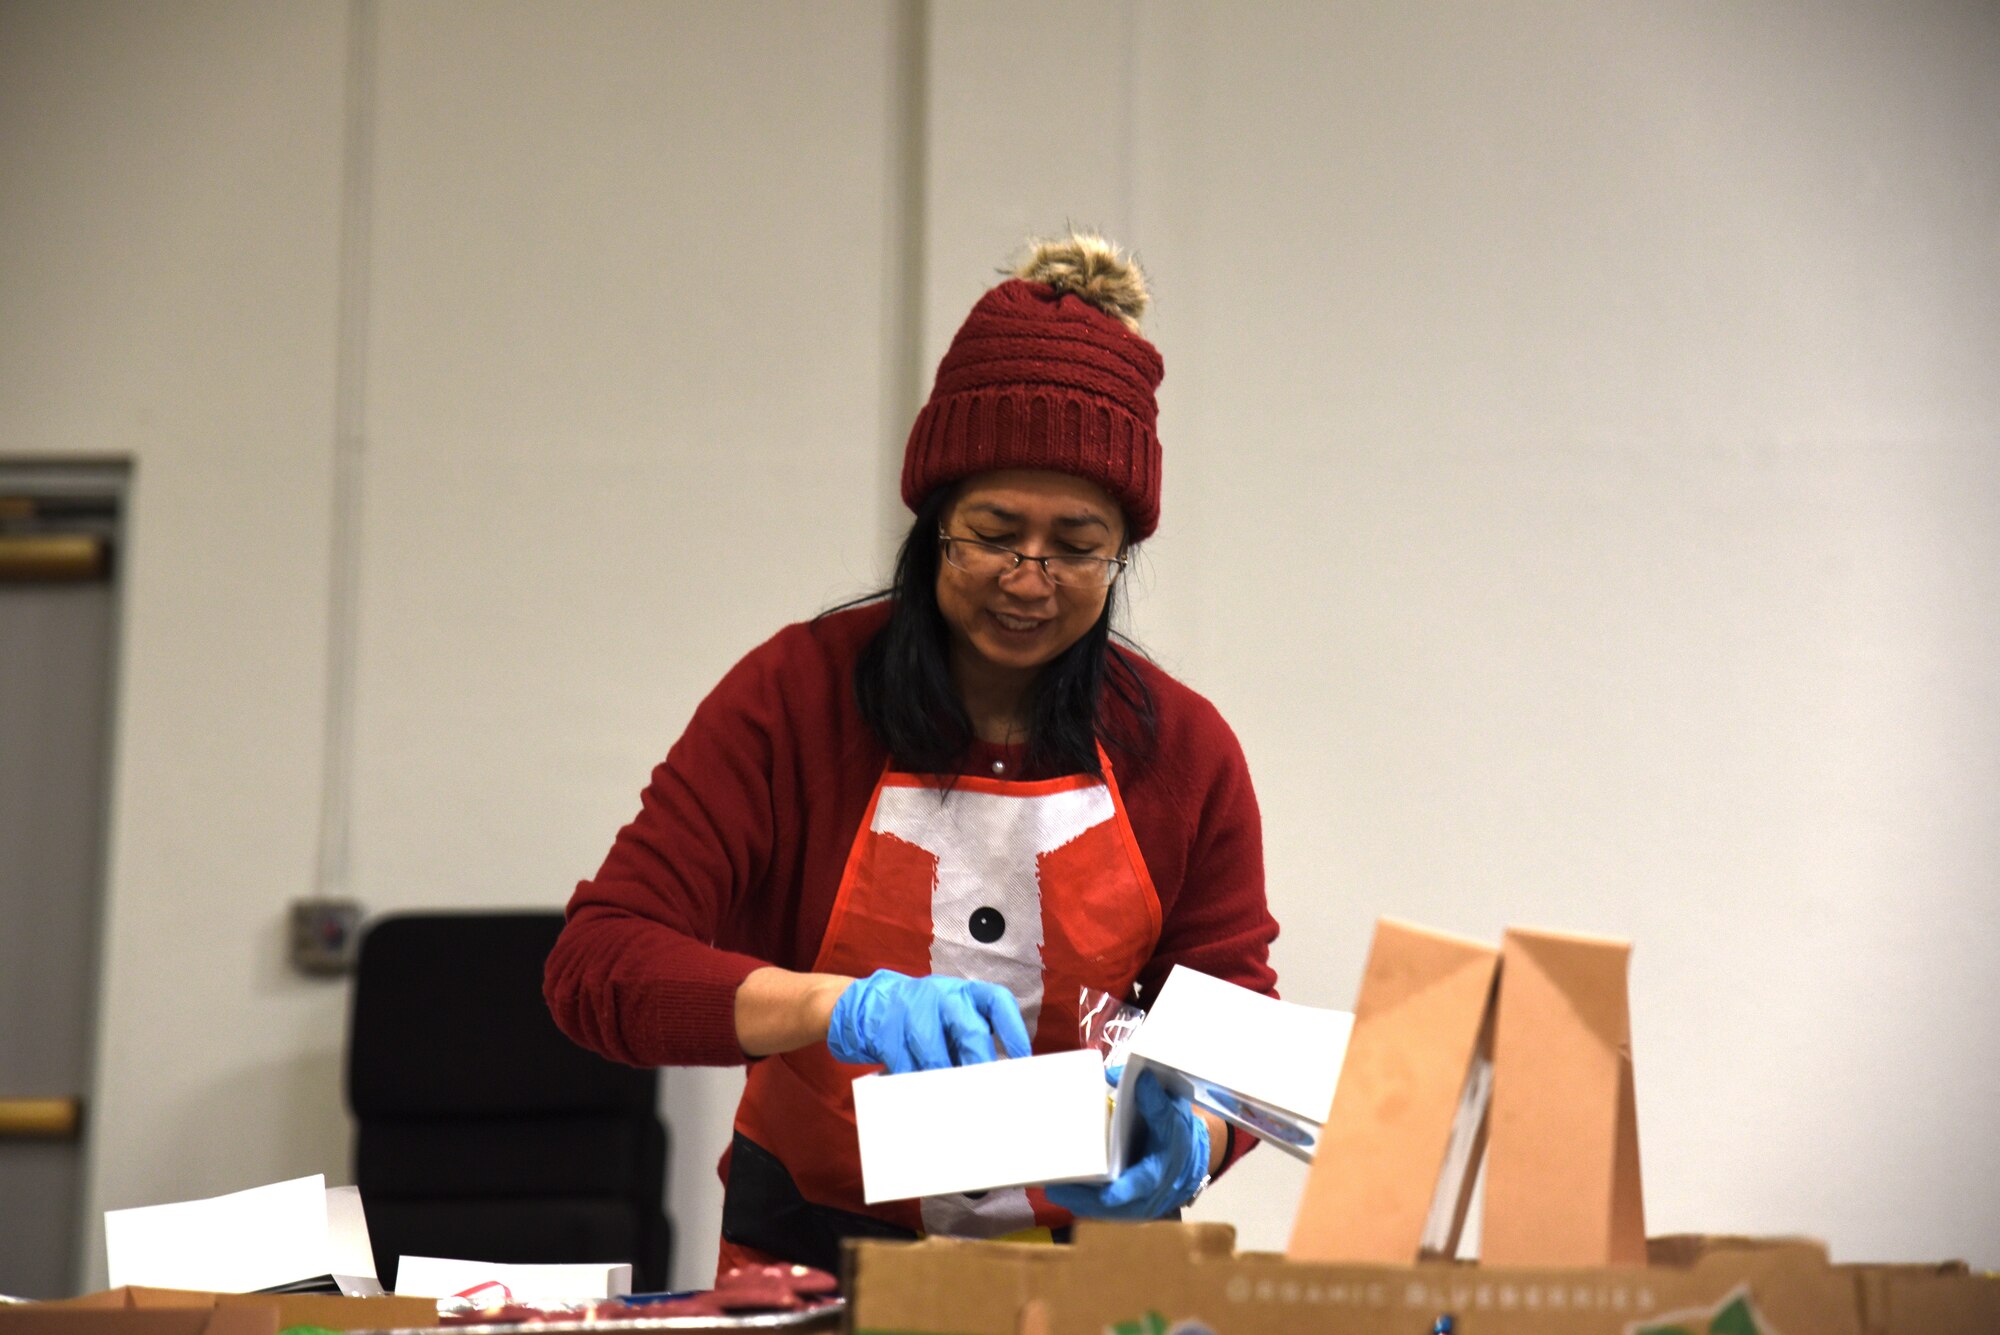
<point>1170,1171</point>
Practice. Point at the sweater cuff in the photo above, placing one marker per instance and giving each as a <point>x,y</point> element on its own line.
<point>1237,1144</point>
<point>690,1019</point>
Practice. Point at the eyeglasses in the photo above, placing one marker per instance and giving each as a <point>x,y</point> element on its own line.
<point>991,561</point>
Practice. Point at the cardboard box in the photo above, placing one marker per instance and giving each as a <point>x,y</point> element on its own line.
<point>286,1310</point>
<point>1396,1155</point>
<point>1185,1279</point>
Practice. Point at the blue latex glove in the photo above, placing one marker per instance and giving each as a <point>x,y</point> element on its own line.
<point>1170,1169</point>
<point>920,1024</point>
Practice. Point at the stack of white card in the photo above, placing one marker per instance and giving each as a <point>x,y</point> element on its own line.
<point>489,1284</point>
<point>294,1235</point>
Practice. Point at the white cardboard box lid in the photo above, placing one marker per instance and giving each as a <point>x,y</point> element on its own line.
<point>1277,1052</point>
<point>1023,1121</point>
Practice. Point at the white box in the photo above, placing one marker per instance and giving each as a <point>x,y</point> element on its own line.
<point>1265,1065</point>
<point>1022,1121</point>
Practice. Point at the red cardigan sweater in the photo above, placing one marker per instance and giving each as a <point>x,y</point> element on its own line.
<point>737,852</point>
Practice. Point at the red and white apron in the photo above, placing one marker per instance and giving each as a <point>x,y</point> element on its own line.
<point>1037,886</point>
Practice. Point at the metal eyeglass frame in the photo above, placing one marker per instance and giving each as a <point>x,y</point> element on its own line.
<point>1115,564</point>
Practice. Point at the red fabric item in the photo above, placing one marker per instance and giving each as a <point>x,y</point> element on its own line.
<point>736,855</point>
<point>1040,379</point>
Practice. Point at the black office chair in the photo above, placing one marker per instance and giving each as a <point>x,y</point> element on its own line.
<point>482,1132</point>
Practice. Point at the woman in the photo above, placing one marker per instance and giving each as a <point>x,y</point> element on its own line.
<point>908,833</point>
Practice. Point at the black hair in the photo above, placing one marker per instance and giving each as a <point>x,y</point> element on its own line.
<point>903,684</point>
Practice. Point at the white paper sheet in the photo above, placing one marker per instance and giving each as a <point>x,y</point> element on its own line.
<point>442,1277</point>
<point>1019,1122</point>
<point>238,1243</point>
<point>350,1257</point>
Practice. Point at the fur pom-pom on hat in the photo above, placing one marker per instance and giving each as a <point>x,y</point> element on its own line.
<point>1049,371</point>
<point>1094,269</point>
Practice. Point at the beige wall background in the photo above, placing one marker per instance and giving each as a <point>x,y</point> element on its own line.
<point>1583,494</point>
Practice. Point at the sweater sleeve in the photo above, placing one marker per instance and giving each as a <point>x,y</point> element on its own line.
<point>635,975</point>
<point>1220,921</point>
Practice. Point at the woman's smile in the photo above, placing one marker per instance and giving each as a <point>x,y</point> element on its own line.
<point>1019,625</point>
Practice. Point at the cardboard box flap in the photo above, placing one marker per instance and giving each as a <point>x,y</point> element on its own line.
<point>983,1285</point>
<point>146,1296</point>
<point>1562,1155</point>
<point>1390,1155</point>
<point>133,1297</point>
<point>330,1311</point>
<point>246,1320</point>
<point>1417,960</point>
<point>102,1298</point>
<point>1686,1249</point>
<point>75,1319</point>
<point>1160,1243</point>
<point>1918,1269</point>
<point>1925,1300</point>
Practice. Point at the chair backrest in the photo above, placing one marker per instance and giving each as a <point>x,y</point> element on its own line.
<point>481,1131</point>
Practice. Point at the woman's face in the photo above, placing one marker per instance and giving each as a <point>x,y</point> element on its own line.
<point>1021,619</point>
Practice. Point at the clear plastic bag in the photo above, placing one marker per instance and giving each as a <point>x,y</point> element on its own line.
<point>1107,1024</point>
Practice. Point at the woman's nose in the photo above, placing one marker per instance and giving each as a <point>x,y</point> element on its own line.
<point>1026,570</point>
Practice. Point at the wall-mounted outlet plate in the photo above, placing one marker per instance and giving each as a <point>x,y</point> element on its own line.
<point>325,935</point>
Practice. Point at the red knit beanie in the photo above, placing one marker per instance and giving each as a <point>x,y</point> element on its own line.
<point>1049,371</point>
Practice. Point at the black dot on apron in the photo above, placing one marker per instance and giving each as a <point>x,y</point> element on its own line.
<point>987,925</point>
<point>974,1195</point>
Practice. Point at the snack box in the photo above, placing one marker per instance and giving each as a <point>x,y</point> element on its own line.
<point>1186,1279</point>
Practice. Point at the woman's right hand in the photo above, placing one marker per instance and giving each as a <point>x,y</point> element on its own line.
<point>920,1024</point>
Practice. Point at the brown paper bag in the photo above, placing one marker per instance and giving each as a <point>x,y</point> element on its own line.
<point>1562,1158</point>
<point>1388,1142</point>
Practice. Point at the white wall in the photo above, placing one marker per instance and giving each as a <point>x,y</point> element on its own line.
<point>632,330</point>
<point>1583,496</point>
<point>170,230</point>
<point>1583,493</point>
<point>631,292</point>
<point>1640,556</point>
